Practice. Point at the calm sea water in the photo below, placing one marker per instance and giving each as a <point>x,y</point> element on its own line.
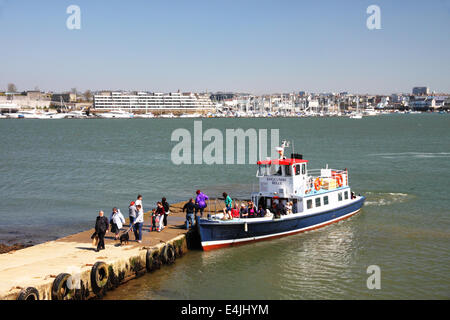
<point>55,175</point>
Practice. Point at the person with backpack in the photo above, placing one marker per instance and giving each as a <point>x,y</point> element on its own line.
<point>116,221</point>
<point>200,202</point>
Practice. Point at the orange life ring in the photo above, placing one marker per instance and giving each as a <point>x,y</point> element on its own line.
<point>317,184</point>
<point>339,180</point>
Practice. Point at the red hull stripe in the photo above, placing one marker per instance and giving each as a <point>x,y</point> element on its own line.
<point>230,244</point>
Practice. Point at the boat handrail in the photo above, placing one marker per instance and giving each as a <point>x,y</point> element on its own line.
<point>317,173</point>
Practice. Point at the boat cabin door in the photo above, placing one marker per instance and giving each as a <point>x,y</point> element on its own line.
<point>299,171</point>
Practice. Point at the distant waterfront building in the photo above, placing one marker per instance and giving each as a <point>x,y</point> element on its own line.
<point>146,100</point>
<point>26,99</point>
<point>422,103</point>
<point>221,96</point>
<point>419,91</point>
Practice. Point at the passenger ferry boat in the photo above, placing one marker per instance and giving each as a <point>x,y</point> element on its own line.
<point>320,197</point>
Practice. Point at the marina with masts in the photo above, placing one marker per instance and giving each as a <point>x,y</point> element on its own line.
<point>146,105</point>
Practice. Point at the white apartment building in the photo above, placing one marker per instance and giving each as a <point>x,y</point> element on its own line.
<point>152,101</point>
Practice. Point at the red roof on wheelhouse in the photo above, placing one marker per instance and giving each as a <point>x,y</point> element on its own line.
<point>282,161</point>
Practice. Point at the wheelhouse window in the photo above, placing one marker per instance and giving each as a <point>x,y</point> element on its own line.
<point>263,170</point>
<point>340,196</point>
<point>346,195</point>
<point>287,170</point>
<point>297,169</point>
<point>309,204</point>
<point>275,169</point>
<point>303,168</point>
<point>318,202</point>
<point>325,200</point>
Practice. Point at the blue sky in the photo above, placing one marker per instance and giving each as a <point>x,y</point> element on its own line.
<point>247,46</point>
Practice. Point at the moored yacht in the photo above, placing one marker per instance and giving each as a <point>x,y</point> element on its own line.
<point>116,114</point>
<point>147,115</point>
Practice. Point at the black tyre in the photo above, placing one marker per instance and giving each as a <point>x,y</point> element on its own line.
<point>149,260</point>
<point>152,260</point>
<point>156,260</point>
<point>29,293</point>
<point>168,254</point>
<point>179,251</point>
<point>62,288</point>
<point>99,277</point>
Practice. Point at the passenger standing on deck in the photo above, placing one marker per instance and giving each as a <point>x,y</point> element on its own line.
<point>101,228</point>
<point>132,212</point>
<point>189,207</point>
<point>228,202</point>
<point>160,213</point>
<point>200,202</point>
<point>166,207</point>
<point>116,220</point>
<point>138,223</point>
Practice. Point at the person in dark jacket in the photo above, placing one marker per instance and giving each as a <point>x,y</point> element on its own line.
<point>281,209</point>
<point>160,213</point>
<point>243,212</point>
<point>101,227</point>
<point>166,207</point>
<point>189,207</point>
<point>261,212</point>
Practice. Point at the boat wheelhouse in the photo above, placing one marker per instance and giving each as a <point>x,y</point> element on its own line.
<point>319,197</point>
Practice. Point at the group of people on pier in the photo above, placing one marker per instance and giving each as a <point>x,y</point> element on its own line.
<point>136,217</point>
<point>192,208</point>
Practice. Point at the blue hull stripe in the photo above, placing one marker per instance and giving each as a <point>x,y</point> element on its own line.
<point>215,233</point>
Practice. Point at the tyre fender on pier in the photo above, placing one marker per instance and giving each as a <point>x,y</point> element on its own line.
<point>152,260</point>
<point>168,254</point>
<point>99,277</point>
<point>29,293</point>
<point>61,289</point>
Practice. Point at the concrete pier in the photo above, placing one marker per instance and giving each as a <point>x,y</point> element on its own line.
<point>69,268</point>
